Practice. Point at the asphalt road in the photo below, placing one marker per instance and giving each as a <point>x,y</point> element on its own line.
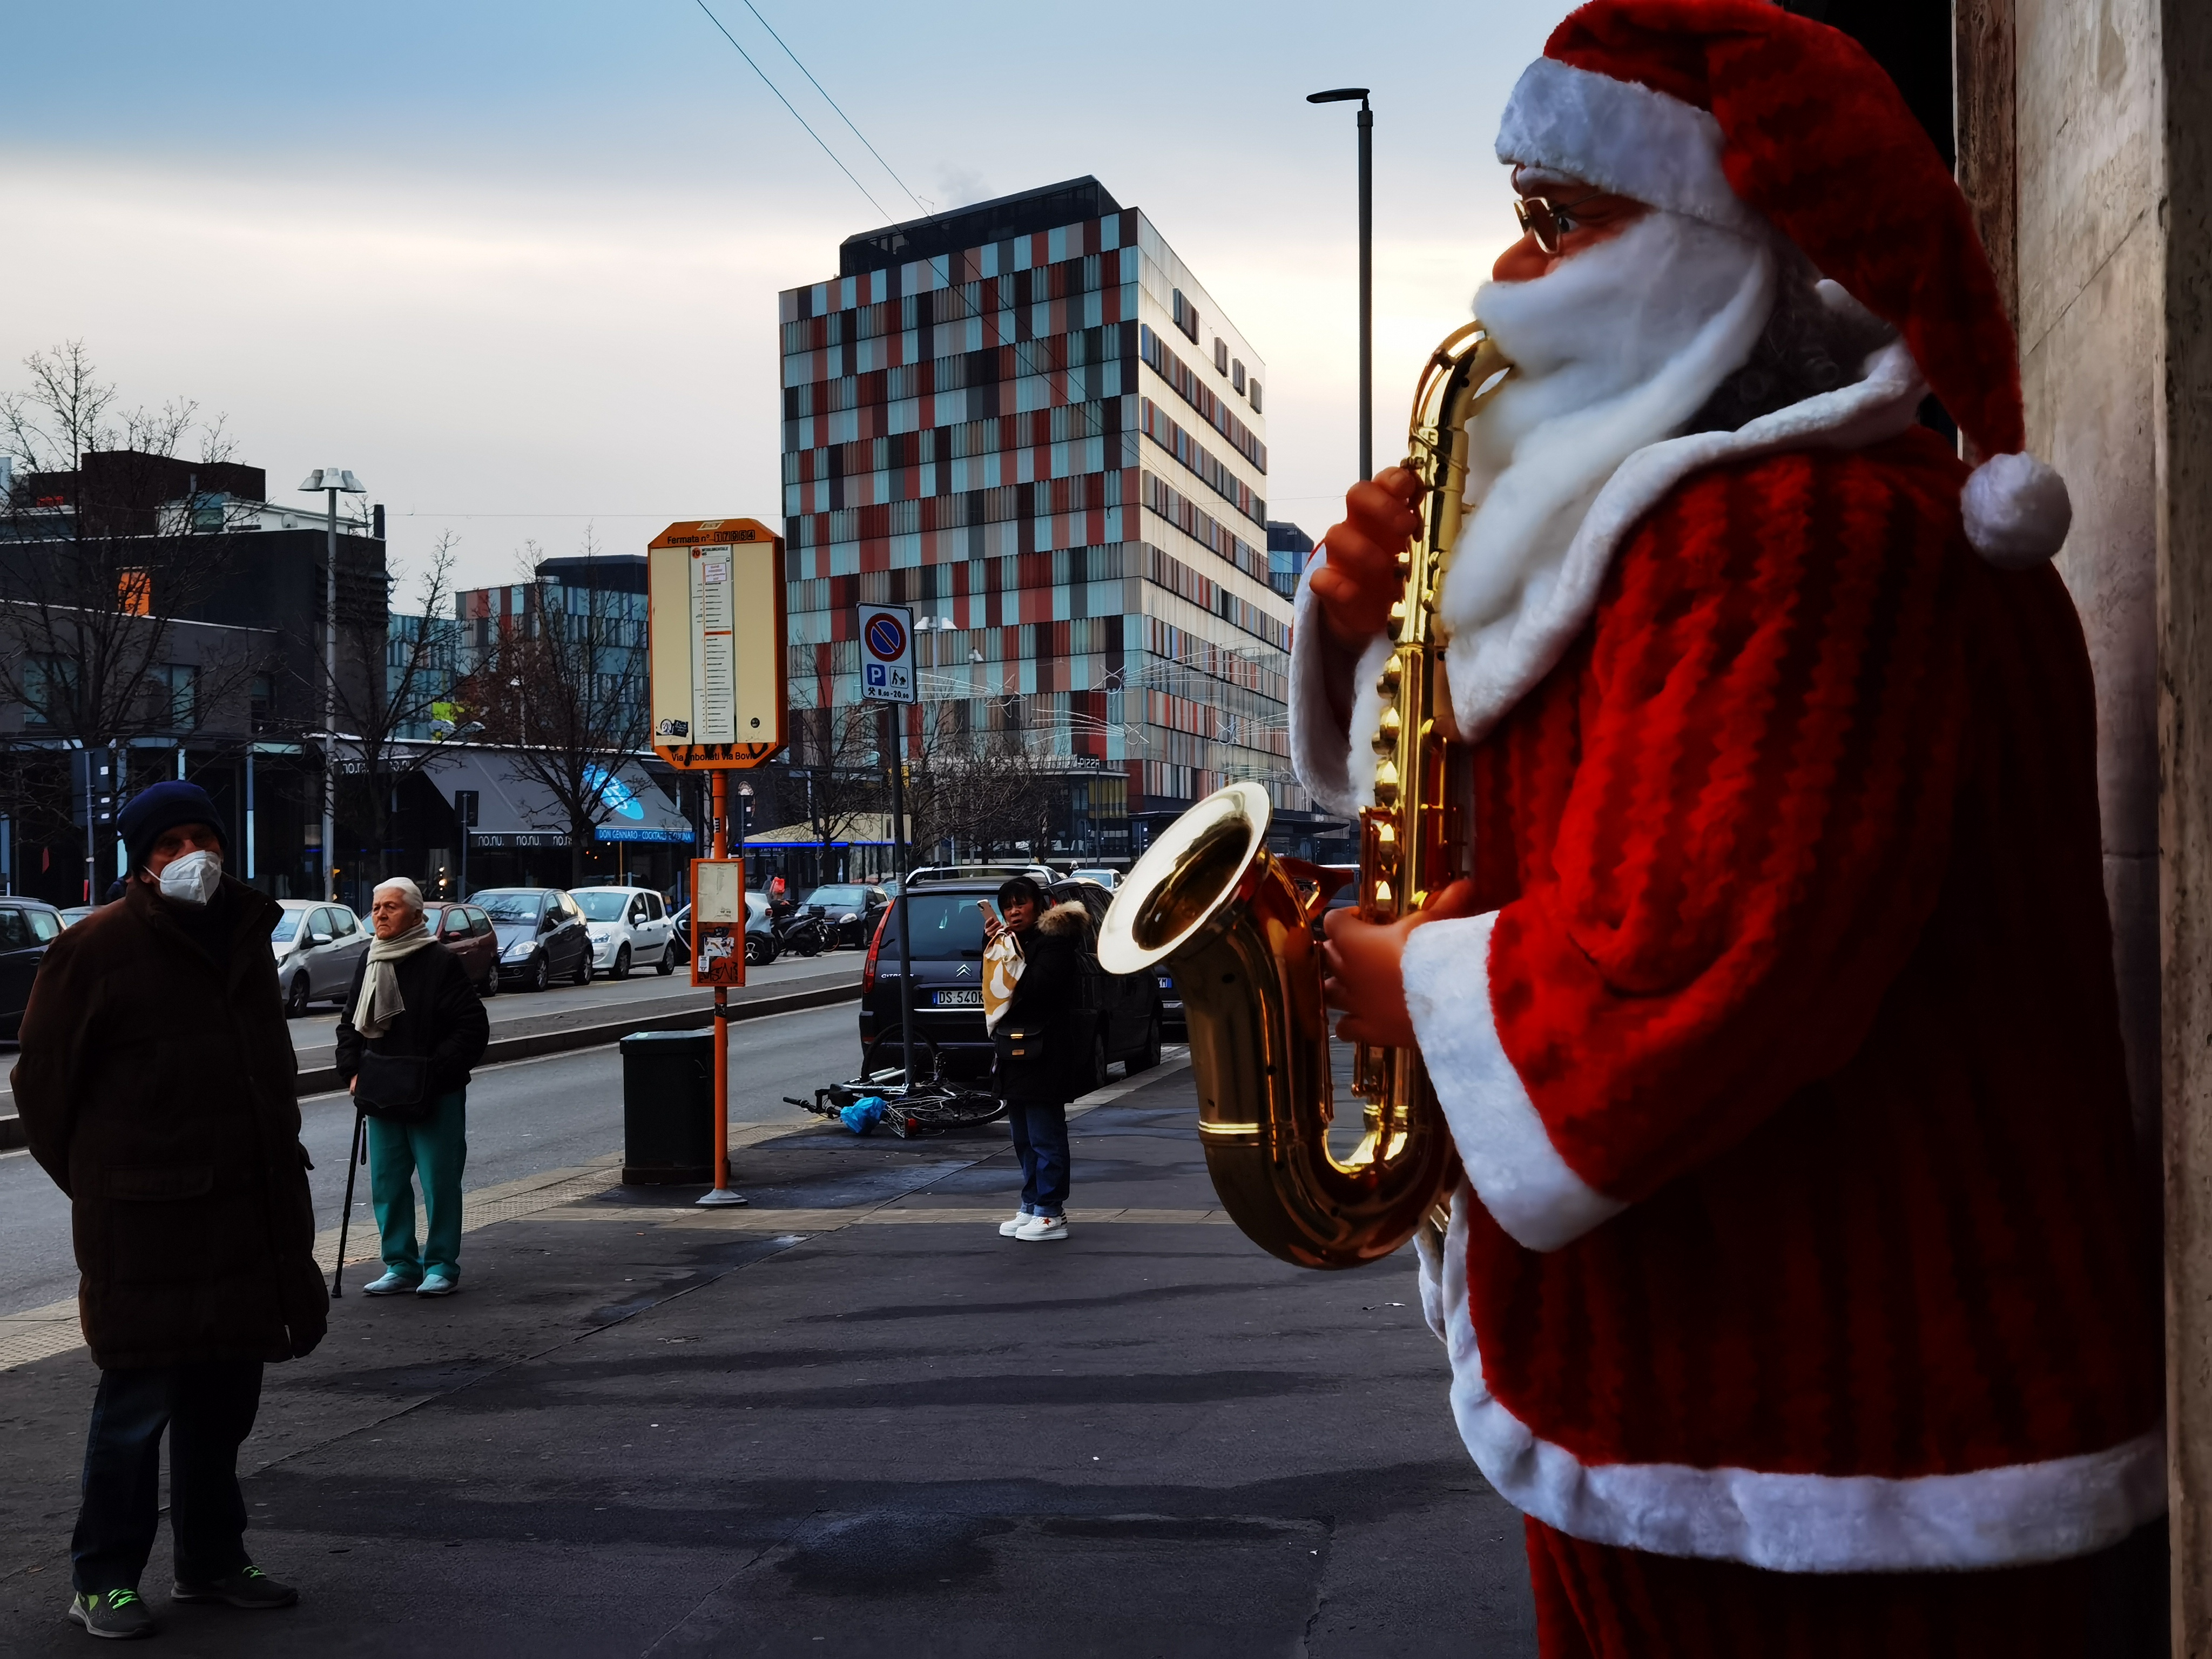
<point>318,1029</point>
<point>524,1116</point>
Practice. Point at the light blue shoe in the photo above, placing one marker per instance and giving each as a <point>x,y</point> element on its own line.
<point>390,1284</point>
<point>437,1285</point>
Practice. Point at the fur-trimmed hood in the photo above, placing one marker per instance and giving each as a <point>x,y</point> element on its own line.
<point>1067,921</point>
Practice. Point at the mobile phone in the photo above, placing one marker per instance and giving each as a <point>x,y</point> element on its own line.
<point>989,914</point>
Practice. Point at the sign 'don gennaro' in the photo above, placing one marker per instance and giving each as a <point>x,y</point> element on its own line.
<point>716,594</point>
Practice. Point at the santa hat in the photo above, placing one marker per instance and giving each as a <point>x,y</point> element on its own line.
<point>1736,111</point>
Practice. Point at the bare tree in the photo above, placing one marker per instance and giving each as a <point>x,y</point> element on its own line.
<point>988,794</point>
<point>564,689</point>
<point>836,757</point>
<point>380,712</point>
<point>91,587</point>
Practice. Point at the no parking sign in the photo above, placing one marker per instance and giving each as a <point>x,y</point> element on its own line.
<point>887,653</point>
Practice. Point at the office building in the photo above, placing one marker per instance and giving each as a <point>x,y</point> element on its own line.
<point>1030,421</point>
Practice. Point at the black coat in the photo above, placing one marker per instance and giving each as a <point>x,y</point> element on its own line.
<point>444,1021</point>
<point>1051,993</point>
<point>163,1095</point>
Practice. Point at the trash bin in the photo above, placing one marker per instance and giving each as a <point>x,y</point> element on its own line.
<point>668,1109</point>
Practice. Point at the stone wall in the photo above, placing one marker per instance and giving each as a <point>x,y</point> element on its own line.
<point>2085,145</point>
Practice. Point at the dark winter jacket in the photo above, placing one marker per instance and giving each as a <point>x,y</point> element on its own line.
<point>443,1022</point>
<point>160,1090</point>
<point>1051,993</point>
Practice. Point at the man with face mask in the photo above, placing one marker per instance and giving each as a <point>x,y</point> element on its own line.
<point>1797,1292</point>
<point>156,1083</point>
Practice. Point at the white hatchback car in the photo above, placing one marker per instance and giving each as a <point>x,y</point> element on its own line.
<point>629,928</point>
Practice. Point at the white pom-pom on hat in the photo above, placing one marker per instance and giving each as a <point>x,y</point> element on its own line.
<point>2017,511</point>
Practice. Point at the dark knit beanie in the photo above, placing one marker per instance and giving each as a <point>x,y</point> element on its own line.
<point>164,806</point>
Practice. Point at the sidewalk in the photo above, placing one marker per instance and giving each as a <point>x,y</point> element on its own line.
<point>850,1419</point>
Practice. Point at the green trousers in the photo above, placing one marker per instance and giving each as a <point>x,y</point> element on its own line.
<point>438,1148</point>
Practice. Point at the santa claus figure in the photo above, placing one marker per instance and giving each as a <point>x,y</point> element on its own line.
<point>1798,1291</point>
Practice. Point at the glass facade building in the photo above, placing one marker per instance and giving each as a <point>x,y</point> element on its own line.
<point>1028,420</point>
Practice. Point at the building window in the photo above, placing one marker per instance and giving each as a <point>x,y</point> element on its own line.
<point>1185,316</point>
<point>1236,372</point>
<point>263,700</point>
<point>49,688</point>
<point>1254,389</point>
<point>180,682</point>
<point>1220,356</point>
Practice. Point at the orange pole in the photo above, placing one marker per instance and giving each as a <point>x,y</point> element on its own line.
<point>721,812</point>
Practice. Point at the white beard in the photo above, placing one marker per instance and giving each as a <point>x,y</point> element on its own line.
<point>1616,348</point>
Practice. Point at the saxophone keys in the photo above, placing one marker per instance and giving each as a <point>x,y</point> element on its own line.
<point>1396,625</point>
<point>1387,729</point>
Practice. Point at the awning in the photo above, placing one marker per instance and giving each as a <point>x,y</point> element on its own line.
<point>515,811</point>
<point>865,829</point>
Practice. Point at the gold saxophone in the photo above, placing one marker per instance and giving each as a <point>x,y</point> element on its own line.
<point>1236,922</point>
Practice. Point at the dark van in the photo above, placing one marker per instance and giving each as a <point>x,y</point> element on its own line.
<point>947,958</point>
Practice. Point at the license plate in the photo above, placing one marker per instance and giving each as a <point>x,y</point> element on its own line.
<point>966,997</point>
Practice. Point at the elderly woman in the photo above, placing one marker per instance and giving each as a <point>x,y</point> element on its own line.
<point>412,1027</point>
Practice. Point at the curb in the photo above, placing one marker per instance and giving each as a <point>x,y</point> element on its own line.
<point>323,1079</point>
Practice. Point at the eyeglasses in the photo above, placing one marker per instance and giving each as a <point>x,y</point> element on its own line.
<point>1546,220</point>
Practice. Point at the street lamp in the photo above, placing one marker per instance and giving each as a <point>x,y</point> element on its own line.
<point>1344,95</point>
<point>336,481</point>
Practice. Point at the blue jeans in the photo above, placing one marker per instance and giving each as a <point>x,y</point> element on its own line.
<point>1040,1143</point>
<point>208,1410</point>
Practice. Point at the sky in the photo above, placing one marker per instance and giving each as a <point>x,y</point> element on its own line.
<point>515,264</point>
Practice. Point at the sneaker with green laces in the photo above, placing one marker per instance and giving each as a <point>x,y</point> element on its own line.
<point>117,1615</point>
<point>249,1587</point>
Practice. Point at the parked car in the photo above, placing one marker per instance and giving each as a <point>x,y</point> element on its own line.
<point>75,914</point>
<point>762,946</point>
<point>27,928</point>
<point>466,930</point>
<point>946,959</point>
<point>851,910</point>
<point>541,934</point>
<point>317,946</point>
<point>629,928</point>
<point>1107,878</point>
<point>1171,1014</point>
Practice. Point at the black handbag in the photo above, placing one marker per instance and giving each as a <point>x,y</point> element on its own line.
<point>1024,1042</point>
<point>395,1086</point>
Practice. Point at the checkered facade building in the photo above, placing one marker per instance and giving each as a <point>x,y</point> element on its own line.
<point>1054,438</point>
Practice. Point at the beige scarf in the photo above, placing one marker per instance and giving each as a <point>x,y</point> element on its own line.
<point>380,1002</point>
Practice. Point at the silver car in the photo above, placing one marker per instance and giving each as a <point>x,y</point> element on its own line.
<point>317,946</point>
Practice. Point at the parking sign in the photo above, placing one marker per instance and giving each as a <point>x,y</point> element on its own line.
<point>887,653</point>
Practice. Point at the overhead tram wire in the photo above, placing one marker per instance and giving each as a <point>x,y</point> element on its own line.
<point>842,116</point>
<point>795,115</point>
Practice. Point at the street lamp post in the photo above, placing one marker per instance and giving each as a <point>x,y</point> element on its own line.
<point>335,481</point>
<point>1344,95</point>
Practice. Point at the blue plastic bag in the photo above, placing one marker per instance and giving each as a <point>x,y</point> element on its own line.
<point>863,1115</point>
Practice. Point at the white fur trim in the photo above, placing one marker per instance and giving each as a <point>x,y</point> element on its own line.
<point>1882,403</point>
<point>1623,138</point>
<point>2017,511</point>
<point>2009,1515</point>
<point>1503,1143</point>
<point>1325,751</point>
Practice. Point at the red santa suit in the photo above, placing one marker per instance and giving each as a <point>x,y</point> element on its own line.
<point>1800,1229</point>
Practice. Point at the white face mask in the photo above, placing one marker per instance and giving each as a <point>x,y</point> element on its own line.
<point>192,879</point>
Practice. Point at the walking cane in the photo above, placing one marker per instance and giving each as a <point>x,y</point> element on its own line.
<point>356,1155</point>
